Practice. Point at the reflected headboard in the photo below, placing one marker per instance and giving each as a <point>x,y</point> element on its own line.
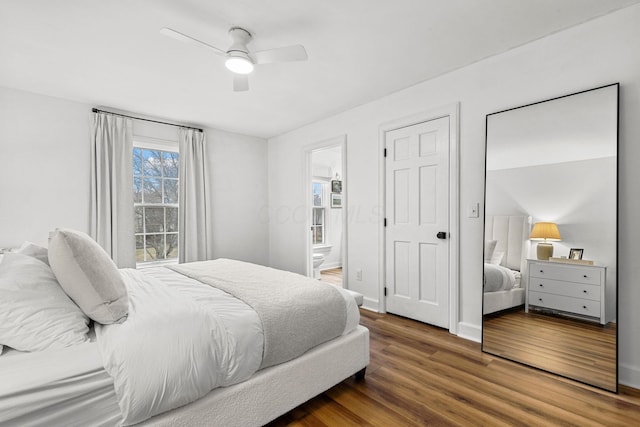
<point>512,236</point>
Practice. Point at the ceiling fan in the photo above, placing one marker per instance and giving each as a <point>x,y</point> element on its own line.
<point>238,57</point>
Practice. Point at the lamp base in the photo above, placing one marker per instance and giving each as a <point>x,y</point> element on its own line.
<point>544,251</point>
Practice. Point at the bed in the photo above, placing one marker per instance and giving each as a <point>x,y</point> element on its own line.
<point>232,371</point>
<point>506,249</point>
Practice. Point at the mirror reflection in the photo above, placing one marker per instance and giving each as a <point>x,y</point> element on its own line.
<point>550,251</point>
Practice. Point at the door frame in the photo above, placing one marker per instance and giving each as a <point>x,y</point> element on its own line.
<point>452,111</point>
<point>338,141</point>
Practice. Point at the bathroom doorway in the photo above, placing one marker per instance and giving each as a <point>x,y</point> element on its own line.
<point>326,218</point>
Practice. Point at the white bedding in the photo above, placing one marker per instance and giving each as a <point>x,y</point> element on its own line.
<point>70,386</point>
<point>498,278</point>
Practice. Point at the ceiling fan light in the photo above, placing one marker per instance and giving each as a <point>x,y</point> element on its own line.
<point>239,65</point>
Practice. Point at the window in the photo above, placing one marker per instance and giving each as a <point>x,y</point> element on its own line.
<point>318,213</point>
<point>155,199</point>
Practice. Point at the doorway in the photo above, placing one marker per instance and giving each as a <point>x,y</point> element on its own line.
<point>420,230</point>
<point>326,213</point>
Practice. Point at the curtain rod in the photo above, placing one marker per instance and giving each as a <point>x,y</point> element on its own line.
<point>95,110</point>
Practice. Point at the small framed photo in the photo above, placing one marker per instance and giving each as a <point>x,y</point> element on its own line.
<point>575,253</point>
<point>336,200</point>
<point>336,186</point>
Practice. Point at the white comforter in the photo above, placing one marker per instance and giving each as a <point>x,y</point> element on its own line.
<point>194,339</point>
<point>498,278</point>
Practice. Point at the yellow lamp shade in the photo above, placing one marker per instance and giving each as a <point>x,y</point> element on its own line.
<point>545,231</point>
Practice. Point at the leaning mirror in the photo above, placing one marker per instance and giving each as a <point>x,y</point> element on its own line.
<point>550,252</point>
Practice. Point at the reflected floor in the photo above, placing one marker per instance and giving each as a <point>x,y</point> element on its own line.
<point>577,349</point>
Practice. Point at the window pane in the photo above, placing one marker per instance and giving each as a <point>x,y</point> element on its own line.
<point>154,219</point>
<point>152,190</point>
<point>137,190</point>
<point>318,216</point>
<point>172,219</point>
<point>172,246</point>
<point>318,236</point>
<point>171,191</point>
<point>152,162</point>
<point>139,248</point>
<point>316,190</point>
<point>138,218</point>
<point>137,161</point>
<point>170,162</point>
<point>155,246</point>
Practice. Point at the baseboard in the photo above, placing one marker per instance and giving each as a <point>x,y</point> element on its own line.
<point>370,304</point>
<point>469,331</point>
<point>629,375</point>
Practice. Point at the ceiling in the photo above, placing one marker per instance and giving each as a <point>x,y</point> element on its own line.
<point>111,54</point>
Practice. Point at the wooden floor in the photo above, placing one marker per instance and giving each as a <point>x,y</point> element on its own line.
<point>333,276</point>
<point>422,375</point>
<point>578,349</point>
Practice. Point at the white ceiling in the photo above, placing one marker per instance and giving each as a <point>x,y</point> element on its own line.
<point>111,54</point>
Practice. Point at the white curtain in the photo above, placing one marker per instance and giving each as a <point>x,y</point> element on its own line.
<point>112,219</point>
<point>195,227</point>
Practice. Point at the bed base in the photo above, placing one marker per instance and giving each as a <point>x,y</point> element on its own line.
<point>276,390</point>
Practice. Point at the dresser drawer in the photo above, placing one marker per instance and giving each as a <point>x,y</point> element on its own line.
<point>569,289</point>
<point>591,276</point>
<point>563,303</point>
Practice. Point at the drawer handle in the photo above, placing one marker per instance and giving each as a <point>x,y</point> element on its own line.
<point>585,291</point>
<point>540,299</point>
<point>584,306</point>
<point>585,276</point>
<point>541,271</point>
<point>541,285</point>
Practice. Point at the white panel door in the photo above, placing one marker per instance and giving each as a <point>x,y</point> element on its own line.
<point>417,209</point>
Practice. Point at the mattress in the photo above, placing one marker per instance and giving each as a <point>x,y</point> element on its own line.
<point>71,387</point>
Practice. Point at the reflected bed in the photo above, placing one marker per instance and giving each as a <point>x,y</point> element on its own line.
<point>505,260</point>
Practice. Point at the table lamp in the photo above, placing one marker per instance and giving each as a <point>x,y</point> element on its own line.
<point>547,232</point>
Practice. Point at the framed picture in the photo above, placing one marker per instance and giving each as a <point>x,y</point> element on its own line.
<point>336,186</point>
<point>336,200</point>
<point>575,253</point>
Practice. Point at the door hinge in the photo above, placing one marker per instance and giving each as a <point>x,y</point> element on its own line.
<point>385,291</point>
<point>385,222</point>
<point>385,152</point>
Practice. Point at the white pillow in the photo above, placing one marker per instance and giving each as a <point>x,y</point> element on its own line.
<point>33,250</point>
<point>35,313</point>
<point>88,275</point>
<point>489,247</point>
<point>496,258</point>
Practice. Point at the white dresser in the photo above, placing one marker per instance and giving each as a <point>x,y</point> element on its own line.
<point>570,288</point>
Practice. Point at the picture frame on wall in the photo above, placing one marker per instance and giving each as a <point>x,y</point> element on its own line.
<point>336,200</point>
<point>575,253</point>
<point>336,186</point>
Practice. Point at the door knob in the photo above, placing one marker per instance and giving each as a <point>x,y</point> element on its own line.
<point>441,235</point>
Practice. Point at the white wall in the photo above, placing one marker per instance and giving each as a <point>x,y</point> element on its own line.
<point>44,175</point>
<point>44,166</point>
<point>598,52</point>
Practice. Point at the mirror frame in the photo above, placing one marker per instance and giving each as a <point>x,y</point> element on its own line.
<point>617,217</point>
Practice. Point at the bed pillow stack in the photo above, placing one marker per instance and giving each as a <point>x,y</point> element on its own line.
<point>491,256</point>
<point>35,313</point>
<point>89,276</point>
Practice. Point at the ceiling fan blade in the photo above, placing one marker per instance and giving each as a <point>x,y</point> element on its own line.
<point>280,54</point>
<point>188,39</point>
<point>240,82</point>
